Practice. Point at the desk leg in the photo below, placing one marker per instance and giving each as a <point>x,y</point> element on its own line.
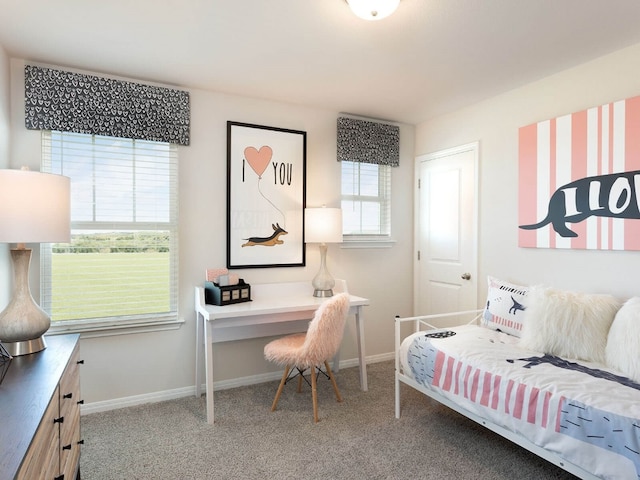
<point>208,366</point>
<point>364,386</point>
<point>199,351</point>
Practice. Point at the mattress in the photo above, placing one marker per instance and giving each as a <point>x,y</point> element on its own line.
<point>583,412</point>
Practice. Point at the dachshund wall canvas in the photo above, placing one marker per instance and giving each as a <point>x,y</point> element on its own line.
<point>579,176</point>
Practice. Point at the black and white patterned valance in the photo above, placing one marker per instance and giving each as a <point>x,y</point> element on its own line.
<point>74,102</point>
<point>368,142</point>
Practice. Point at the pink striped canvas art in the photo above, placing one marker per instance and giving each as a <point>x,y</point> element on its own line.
<point>579,178</point>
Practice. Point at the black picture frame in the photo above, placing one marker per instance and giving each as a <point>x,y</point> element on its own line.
<point>266,196</point>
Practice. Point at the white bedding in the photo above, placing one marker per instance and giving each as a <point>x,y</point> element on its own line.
<point>584,412</point>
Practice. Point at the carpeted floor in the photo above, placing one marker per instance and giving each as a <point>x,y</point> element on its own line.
<point>357,439</point>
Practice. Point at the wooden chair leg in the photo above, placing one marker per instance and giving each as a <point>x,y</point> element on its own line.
<point>333,381</point>
<point>280,387</point>
<point>314,393</point>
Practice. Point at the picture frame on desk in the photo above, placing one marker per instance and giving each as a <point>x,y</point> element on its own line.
<point>266,196</point>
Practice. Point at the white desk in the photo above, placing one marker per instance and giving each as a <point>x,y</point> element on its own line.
<point>275,309</point>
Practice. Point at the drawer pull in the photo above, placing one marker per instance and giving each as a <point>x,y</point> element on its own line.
<point>67,447</point>
<point>80,402</point>
<point>80,362</point>
<point>61,477</point>
<point>68,395</point>
<point>81,442</point>
<point>58,420</point>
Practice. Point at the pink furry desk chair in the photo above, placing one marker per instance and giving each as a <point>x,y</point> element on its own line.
<point>313,348</point>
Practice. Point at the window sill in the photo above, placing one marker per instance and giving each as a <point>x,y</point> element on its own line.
<point>368,242</point>
<point>107,328</point>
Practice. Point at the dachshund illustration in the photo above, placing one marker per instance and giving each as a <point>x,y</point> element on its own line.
<point>267,241</point>
<point>613,195</point>
<point>566,364</point>
<point>516,306</point>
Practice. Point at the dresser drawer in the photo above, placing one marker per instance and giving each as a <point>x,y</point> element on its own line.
<point>70,381</point>
<point>70,441</point>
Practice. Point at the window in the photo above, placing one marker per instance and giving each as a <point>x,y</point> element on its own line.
<point>366,201</point>
<point>120,268</point>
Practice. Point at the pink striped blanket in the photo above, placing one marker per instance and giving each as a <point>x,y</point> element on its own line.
<point>584,412</point>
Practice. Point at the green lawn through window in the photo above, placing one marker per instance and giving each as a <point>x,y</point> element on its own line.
<point>95,285</point>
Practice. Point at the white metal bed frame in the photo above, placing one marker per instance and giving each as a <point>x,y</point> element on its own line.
<point>422,323</point>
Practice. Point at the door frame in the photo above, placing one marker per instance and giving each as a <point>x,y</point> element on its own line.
<point>473,147</point>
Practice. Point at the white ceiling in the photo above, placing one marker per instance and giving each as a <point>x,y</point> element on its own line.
<point>430,57</point>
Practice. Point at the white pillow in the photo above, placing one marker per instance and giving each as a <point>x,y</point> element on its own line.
<point>567,324</point>
<point>504,309</point>
<point>623,344</point>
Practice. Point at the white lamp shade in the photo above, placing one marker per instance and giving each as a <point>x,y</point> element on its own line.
<point>34,207</point>
<point>323,225</point>
<point>373,9</point>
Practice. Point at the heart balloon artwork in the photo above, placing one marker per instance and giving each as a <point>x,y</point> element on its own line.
<point>258,159</point>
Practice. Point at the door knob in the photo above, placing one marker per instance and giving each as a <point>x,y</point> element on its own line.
<point>466,276</point>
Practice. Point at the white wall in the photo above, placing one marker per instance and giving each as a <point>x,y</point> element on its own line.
<point>495,124</point>
<point>138,364</point>
<point>5,96</point>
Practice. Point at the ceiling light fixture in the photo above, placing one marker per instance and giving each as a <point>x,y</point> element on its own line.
<point>373,9</point>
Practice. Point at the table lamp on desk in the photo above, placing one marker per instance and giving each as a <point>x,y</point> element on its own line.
<point>34,208</point>
<point>323,225</point>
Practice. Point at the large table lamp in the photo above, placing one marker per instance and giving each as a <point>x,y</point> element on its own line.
<point>323,225</point>
<point>34,208</point>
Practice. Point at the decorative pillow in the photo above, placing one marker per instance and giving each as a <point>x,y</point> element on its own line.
<point>504,309</point>
<point>623,344</point>
<point>567,324</point>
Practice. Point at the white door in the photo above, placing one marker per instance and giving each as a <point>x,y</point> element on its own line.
<point>446,231</point>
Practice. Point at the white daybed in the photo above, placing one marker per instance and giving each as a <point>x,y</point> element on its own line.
<point>582,416</point>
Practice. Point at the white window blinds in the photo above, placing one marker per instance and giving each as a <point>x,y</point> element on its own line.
<point>366,205</point>
<point>121,264</point>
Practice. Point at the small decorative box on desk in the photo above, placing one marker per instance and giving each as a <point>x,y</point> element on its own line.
<point>215,294</point>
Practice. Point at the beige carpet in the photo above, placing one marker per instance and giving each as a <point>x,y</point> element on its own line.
<point>357,439</point>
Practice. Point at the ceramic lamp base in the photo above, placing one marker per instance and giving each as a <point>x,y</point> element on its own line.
<point>323,282</point>
<point>22,322</point>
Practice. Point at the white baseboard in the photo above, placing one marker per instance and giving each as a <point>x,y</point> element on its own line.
<point>161,396</point>
<point>123,402</point>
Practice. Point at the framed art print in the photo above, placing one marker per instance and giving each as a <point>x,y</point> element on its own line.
<point>266,178</point>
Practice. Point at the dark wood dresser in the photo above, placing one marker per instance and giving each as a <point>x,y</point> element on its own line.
<point>40,413</point>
